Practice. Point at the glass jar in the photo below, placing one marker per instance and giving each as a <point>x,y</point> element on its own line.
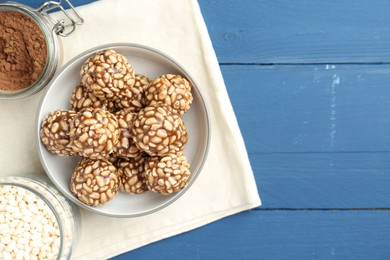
<point>66,213</point>
<point>50,29</point>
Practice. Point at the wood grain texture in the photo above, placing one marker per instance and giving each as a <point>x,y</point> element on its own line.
<point>323,180</point>
<point>322,108</point>
<point>278,234</point>
<point>317,136</point>
<point>282,31</point>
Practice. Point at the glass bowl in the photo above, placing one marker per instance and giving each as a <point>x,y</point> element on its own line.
<point>15,191</point>
<point>51,30</point>
<point>52,45</point>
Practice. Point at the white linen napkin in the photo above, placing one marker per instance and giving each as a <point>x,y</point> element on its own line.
<point>175,27</point>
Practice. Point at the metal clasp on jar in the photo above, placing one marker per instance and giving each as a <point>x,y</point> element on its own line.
<point>63,27</point>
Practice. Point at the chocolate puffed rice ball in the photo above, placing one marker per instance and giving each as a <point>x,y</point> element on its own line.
<point>158,130</point>
<point>132,174</point>
<point>82,98</point>
<point>107,74</point>
<point>94,182</point>
<point>133,98</point>
<point>94,133</point>
<point>55,132</point>
<point>167,174</point>
<point>171,89</point>
<point>125,147</point>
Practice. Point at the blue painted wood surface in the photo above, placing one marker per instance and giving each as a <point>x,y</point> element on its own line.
<point>282,31</point>
<point>309,82</point>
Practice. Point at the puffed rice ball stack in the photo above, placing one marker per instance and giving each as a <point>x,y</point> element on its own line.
<point>127,129</point>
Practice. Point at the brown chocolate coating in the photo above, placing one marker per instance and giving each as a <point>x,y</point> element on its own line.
<point>125,147</point>
<point>167,174</point>
<point>173,90</point>
<point>94,182</point>
<point>158,130</point>
<point>55,132</point>
<point>107,74</point>
<point>132,174</point>
<point>94,133</point>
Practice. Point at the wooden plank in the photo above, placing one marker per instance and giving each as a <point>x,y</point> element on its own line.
<point>316,108</point>
<point>323,180</point>
<point>305,31</point>
<point>280,235</point>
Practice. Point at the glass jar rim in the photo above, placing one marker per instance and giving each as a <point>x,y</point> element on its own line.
<point>52,47</point>
<point>4,181</point>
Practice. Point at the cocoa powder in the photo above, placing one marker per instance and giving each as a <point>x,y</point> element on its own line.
<point>23,51</point>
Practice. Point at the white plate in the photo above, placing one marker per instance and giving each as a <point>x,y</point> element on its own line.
<point>151,63</point>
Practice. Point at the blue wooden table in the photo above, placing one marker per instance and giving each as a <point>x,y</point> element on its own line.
<point>310,85</point>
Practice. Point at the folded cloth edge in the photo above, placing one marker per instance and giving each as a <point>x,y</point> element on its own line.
<point>218,78</point>
<point>177,229</point>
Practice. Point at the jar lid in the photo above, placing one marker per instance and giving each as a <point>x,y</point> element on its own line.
<point>29,65</point>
